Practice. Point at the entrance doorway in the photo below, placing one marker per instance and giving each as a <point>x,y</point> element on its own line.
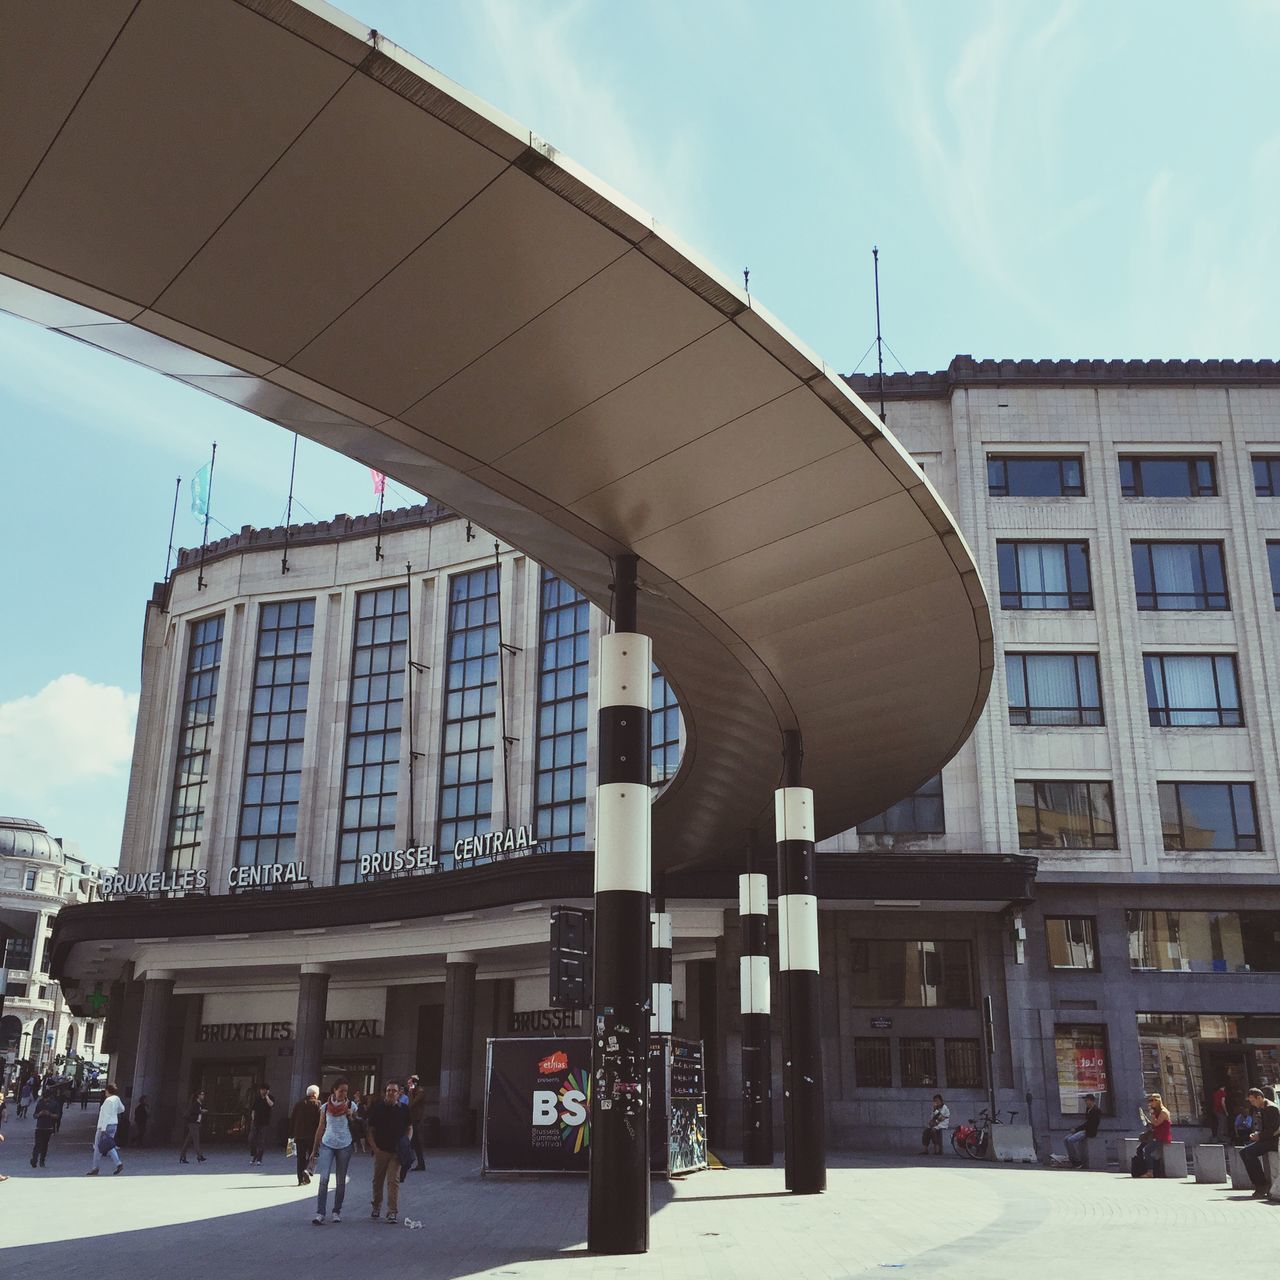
<point>1226,1065</point>
<point>229,1089</point>
<point>361,1074</point>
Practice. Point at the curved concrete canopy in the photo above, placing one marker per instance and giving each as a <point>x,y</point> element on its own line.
<point>265,200</point>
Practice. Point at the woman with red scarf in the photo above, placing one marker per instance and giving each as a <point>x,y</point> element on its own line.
<point>331,1150</point>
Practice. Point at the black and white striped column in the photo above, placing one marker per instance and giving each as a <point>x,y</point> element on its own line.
<point>660,972</point>
<point>618,1194</point>
<point>806,1154</point>
<point>757,1064</point>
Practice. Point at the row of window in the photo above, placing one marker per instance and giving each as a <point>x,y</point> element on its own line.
<point>1174,941</point>
<point>917,1063</point>
<point>1141,475</point>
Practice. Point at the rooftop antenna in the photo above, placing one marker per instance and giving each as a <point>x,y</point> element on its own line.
<point>875,258</point>
<point>746,281</point>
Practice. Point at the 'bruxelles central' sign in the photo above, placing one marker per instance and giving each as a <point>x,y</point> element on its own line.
<point>240,1032</point>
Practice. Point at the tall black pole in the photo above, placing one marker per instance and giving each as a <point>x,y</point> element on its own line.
<point>288,510</point>
<point>208,504</point>
<point>618,1192</point>
<point>757,1057</point>
<point>503,650</point>
<point>806,1146</point>
<point>173,524</point>
<point>660,1002</point>
<point>875,259</point>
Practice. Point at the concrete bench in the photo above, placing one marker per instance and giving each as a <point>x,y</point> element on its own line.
<point>1273,1173</point>
<point>1174,1159</point>
<point>1211,1163</point>
<point>1235,1168</point>
<point>1013,1143</point>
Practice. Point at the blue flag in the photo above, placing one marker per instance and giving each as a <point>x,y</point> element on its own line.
<point>200,492</point>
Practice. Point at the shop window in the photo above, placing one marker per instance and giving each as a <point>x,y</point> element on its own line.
<point>921,813</point>
<point>1044,575</point>
<point>964,1064</point>
<point>1192,689</point>
<point>191,774</point>
<point>1187,576</point>
<point>1266,475</point>
<point>664,730</point>
<point>1065,815</point>
<point>1208,815</point>
<point>375,714</point>
<point>1172,1065</point>
<point>919,1058</point>
<point>1035,476</point>
<point>902,974</point>
<point>1072,942</point>
<point>1204,941</point>
<point>1053,688</point>
<point>560,812</point>
<point>1164,477</point>
<point>1083,1067</point>
<point>872,1068</point>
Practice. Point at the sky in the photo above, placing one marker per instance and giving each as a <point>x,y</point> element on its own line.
<point>1076,180</point>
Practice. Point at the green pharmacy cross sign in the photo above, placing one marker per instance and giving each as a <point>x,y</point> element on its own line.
<point>97,1001</point>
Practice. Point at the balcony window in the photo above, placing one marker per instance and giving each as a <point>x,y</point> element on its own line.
<point>1034,476</point>
<point>1163,477</point>
<point>1180,575</point>
<point>919,814</point>
<point>1208,815</point>
<point>1073,942</point>
<point>1053,688</point>
<point>1065,815</point>
<point>1266,475</point>
<point>1192,689</point>
<point>1044,575</point>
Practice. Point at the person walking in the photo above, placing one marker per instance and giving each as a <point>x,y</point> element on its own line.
<point>939,1122</point>
<point>302,1127</point>
<point>390,1126</point>
<point>192,1118</point>
<point>104,1137</point>
<point>48,1112</point>
<point>1264,1139</point>
<point>260,1122</point>
<point>417,1119</point>
<point>359,1129</point>
<point>1088,1128</point>
<point>25,1098</point>
<point>141,1115</point>
<point>331,1150</point>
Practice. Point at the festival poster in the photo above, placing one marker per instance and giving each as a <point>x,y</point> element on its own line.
<point>538,1105</point>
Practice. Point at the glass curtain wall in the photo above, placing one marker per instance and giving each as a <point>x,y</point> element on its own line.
<point>273,765</point>
<point>199,705</point>
<point>560,814</point>
<point>471,700</point>
<point>371,776</point>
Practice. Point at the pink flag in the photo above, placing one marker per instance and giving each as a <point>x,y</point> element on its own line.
<point>379,481</point>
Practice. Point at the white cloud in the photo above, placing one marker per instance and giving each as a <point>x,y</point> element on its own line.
<point>64,760</point>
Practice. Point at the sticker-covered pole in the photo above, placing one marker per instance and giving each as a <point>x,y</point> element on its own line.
<point>618,1193</point>
<point>806,1148</point>
<point>757,1064</point>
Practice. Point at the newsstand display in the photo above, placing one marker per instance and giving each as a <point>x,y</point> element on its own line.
<point>678,1106</point>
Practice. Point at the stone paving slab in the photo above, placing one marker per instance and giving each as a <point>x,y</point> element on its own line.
<point>226,1220</point>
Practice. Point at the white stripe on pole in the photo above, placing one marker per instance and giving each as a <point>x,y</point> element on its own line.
<point>793,813</point>
<point>753,894</point>
<point>798,931</point>
<point>625,670</point>
<point>754,984</point>
<point>623,837</point>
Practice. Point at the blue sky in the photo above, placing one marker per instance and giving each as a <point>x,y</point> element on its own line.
<point>1043,180</point>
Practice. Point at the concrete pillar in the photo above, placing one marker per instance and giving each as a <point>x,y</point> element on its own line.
<point>148,1063</point>
<point>455,1048</point>
<point>308,1030</point>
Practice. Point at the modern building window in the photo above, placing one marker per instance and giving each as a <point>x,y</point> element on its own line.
<point>191,775</point>
<point>1053,688</point>
<point>896,973</point>
<point>1180,575</point>
<point>919,814</point>
<point>29,881</point>
<point>560,812</point>
<point>1044,575</point>
<point>471,699</point>
<point>1157,476</point>
<point>273,766</point>
<point>919,1058</point>
<point>1073,942</point>
<point>1032,475</point>
<point>964,1063</point>
<point>1266,475</point>
<point>1204,941</point>
<point>872,1065</point>
<point>1065,815</point>
<point>1081,1052</point>
<point>1192,689</point>
<point>1273,562</point>
<point>371,775</point>
<point>664,730</point>
<point>1208,815</point>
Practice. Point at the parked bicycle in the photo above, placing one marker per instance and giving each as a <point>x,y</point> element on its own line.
<point>974,1139</point>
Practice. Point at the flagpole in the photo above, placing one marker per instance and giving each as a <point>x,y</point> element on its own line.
<point>382,497</point>
<point>288,510</point>
<point>208,502</point>
<point>173,524</point>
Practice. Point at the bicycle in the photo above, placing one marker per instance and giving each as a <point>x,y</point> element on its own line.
<point>974,1139</point>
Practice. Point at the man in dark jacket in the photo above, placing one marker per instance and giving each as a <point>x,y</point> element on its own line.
<point>48,1112</point>
<point>390,1131</point>
<point>303,1123</point>
<point>1087,1129</point>
<point>260,1123</point>
<point>1264,1140</point>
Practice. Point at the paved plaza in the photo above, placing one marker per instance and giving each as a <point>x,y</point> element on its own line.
<point>226,1220</point>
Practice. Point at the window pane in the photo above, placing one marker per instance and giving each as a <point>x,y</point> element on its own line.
<point>1071,942</point>
<point>1180,575</point>
<point>964,1064</point>
<point>1191,689</point>
<point>871,1063</point>
<point>921,813</point>
<point>1034,476</point>
<point>919,1062</point>
<point>1165,477</point>
<point>1044,575</point>
<point>1208,815</point>
<point>1053,688</point>
<point>1081,1053</point>
<point>893,973</point>
<point>1065,815</point>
